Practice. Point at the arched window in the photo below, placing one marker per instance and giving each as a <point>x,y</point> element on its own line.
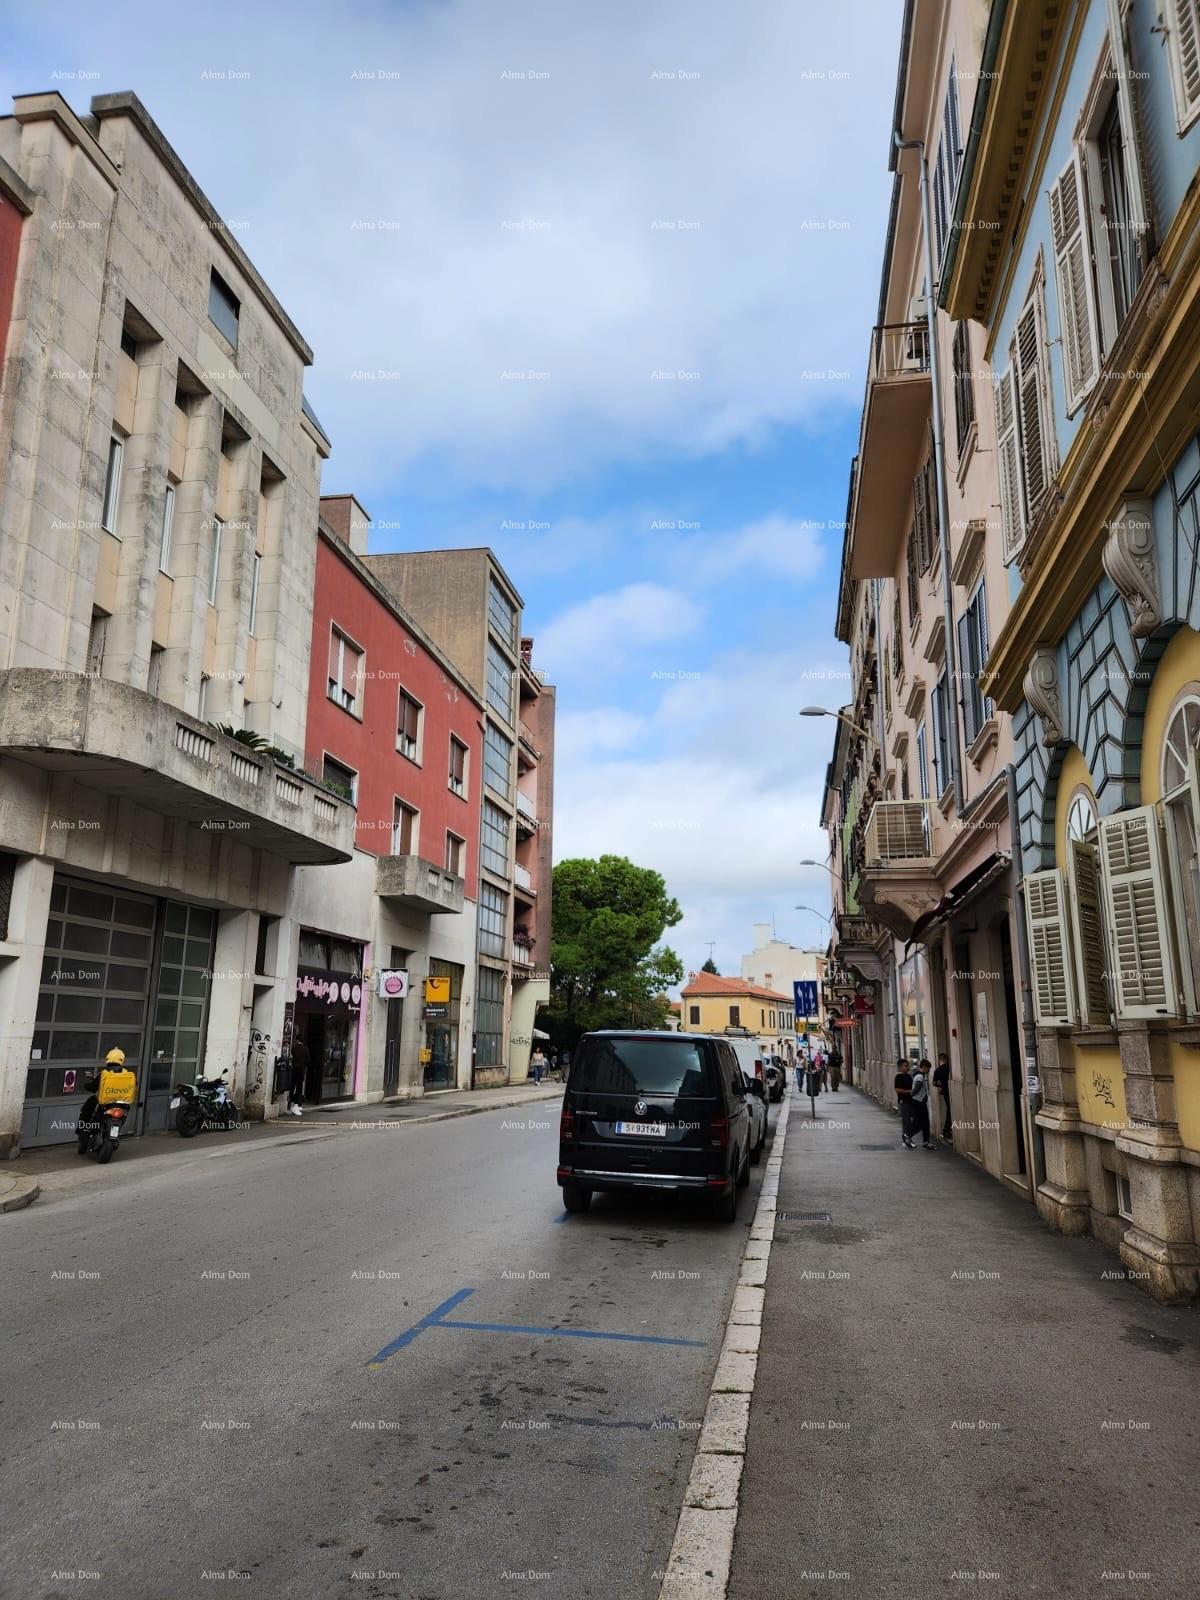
<point>1181,813</point>
<point>1081,817</point>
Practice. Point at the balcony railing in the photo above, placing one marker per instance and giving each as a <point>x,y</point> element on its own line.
<point>522,876</point>
<point>522,955</point>
<point>899,350</point>
<point>899,830</point>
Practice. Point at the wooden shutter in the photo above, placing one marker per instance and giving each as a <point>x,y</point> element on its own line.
<point>966,676</point>
<point>1076,287</point>
<point>1030,412</point>
<point>981,626</point>
<point>1009,461</point>
<point>920,535</point>
<point>1135,905</point>
<point>1087,928</point>
<point>1050,949</point>
<point>1185,46</point>
<point>1130,132</point>
<point>933,521</point>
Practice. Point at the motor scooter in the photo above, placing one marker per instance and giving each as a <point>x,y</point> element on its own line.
<point>99,1132</point>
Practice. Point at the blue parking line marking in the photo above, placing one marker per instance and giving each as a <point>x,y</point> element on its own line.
<point>431,1321</point>
<point>564,1216</point>
<point>567,1333</point>
<point>438,1318</point>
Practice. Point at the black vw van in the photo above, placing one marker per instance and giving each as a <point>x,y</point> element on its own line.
<point>655,1111</point>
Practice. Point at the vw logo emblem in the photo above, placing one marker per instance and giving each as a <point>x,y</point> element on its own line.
<point>641,1108</point>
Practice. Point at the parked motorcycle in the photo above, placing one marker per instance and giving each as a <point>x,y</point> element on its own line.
<point>104,1113</point>
<point>776,1081</point>
<point>203,1104</point>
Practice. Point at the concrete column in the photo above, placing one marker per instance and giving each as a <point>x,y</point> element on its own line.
<point>1063,1197</point>
<point>227,692</point>
<point>195,506</point>
<point>231,998</point>
<point>1161,1242</point>
<point>20,978</point>
<point>412,1028</point>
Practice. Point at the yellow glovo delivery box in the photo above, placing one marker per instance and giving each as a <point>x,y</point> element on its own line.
<point>116,1086</point>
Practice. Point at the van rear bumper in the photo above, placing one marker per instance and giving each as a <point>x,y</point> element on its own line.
<point>593,1178</point>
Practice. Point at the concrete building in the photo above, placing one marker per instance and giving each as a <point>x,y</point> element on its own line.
<point>917,801</point>
<point>713,1004</point>
<point>395,726</point>
<point>1075,253</point>
<point>159,475</point>
<point>775,964</point>
<point>465,603</point>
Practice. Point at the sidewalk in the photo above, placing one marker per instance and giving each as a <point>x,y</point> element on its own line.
<point>59,1168</point>
<point>950,1397</point>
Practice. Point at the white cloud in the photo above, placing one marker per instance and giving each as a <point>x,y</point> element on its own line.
<point>610,627</point>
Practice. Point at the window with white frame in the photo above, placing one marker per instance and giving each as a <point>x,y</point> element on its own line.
<point>112,484</point>
<point>494,840</point>
<point>214,559</point>
<point>340,778</point>
<point>458,766</point>
<point>168,523</point>
<point>409,717</point>
<point>405,823</point>
<point>1025,441</point>
<point>1181,817</point>
<point>455,853</point>
<point>972,654</point>
<point>1124,1197</point>
<point>1182,21</point>
<point>345,672</point>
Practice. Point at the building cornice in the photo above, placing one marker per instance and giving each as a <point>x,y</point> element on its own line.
<point>51,107</point>
<point>1130,427</point>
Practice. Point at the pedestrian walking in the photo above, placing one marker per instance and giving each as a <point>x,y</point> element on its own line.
<point>920,1104</point>
<point>941,1078</point>
<point>537,1063</point>
<point>835,1069</point>
<point>904,1083</point>
<point>301,1060</point>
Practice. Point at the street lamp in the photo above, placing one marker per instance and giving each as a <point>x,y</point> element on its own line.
<point>824,711</point>
<point>813,909</point>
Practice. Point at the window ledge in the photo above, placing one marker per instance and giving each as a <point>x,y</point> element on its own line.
<point>986,739</point>
<point>356,715</point>
<point>1188,1037</point>
<point>946,800</point>
<point>412,760</point>
<point>967,452</point>
<point>1094,1039</point>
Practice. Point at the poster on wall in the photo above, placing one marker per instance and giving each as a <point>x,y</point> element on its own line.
<point>983,1035</point>
<point>393,984</point>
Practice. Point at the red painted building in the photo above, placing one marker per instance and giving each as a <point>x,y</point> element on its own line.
<point>390,719</point>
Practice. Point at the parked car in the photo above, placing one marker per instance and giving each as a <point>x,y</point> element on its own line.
<point>661,1111</point>
<point>756,1104</point>
<point>776,1076</point>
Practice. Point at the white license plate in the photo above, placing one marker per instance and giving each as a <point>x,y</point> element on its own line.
<point>175,1103</point>
<point>647,1130</point>
<point>114,1132</point>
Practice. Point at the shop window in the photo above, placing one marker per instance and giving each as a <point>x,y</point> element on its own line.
<point>1181,818</point>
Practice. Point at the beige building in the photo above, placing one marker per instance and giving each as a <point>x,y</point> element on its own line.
<point>774,964</point>
<point>466,603</point>
<point>715,1004</point>
<point>159,475</point>
<point>918,795</point>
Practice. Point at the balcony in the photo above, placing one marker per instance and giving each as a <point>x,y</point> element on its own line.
<point>860,946</point>
<point>110,737</point>
<point>419,885</point>
<point>522,956</point>
<point>528,754</point>
<point>527,819</point>
<point>891,442</point>
<point>523,881</point>
<point>899,881</point>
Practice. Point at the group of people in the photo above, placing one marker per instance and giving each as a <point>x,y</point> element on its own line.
<point>542,1061</point>
<point>912,1098</point>
<point>821,1067</point>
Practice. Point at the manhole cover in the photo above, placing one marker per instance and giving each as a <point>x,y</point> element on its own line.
<point>877,1147</point>
<point>805,1216</point>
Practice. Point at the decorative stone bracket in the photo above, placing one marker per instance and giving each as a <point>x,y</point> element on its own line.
<point>1131,560</point>
<point>1042,692</point>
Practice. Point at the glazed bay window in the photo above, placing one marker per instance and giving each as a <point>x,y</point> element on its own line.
<point>502,614</point>
<point>223,307</point>
<point>501,681</point>
<point>493,920</point>
<point>408,726</point>
<point>1181,816</point>
<point>345,672</point>
<point>494,840</point>
<point>458,766</point>
<point>497,761</point>
<point>112,484</point>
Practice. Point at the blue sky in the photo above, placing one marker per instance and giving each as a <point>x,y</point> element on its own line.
<point>591,268</point>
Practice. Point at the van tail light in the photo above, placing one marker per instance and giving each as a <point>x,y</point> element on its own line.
<point>758,1070</point>
<point>719,1128</point>
<point>566,1124</point>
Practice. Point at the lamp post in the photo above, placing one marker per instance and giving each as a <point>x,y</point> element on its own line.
<point>824,711</point>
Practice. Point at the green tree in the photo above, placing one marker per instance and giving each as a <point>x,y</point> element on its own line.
<point>711,966</point>
<point>609,967</point>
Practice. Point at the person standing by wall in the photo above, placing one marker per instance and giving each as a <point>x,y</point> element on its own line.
<point>835,1069</point>
<point>537,1063</point>
<point>904,1083</point>
<point>920,1105</point>
<point>941,1078</point>
<point>301,1061</point>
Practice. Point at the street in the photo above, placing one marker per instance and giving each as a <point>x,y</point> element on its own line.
<point>189,1396</point>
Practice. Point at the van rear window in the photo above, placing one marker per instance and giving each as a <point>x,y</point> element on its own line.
<point>642,1066</point>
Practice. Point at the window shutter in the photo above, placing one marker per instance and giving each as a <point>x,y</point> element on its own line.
<point>1186,48</point>
<point>933,523</point>
<point>966,675</point>
<point>1009,455</point>
<point>1049,949</point>
<point>1029,410</point>
<point>1129,123</point>
<point>1076,290</point>
<point>981,622</point>
<point>1135,905</point>
<point>1087,926</point>
<point>920,519</point>
<point>939,199</point>
<point>335,658</point>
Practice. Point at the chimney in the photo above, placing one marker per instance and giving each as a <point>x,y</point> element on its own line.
<point>348,520</point>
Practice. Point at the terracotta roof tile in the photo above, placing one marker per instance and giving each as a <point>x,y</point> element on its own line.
<point>710,984</point>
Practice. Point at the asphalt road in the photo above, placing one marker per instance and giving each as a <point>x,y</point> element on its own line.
<point>189,1400</point>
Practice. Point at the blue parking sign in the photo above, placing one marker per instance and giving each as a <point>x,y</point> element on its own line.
<point>805,992</point>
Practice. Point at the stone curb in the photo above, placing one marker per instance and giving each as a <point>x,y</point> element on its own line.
<point>17,1193</point>
<point>702,1553</point>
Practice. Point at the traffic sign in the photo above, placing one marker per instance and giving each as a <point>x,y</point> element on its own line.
<point>804,991</point>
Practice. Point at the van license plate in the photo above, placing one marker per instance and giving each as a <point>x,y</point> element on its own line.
<point>647,1130</point>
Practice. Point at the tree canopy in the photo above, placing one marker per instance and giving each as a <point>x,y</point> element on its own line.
<point>711,966</point>
<point>608,964</point>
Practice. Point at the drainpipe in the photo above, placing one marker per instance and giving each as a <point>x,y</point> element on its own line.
<point>1037,1145</point>
<point>879,723</point>
<point>939,468</point>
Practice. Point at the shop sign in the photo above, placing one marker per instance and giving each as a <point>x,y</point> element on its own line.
<point>425,1056</point>
<point>331,988</point>
<point>437,991</point>
<point>844,1022</point>
<point>393,983</point>
<point>432,1013</point>
<point>864,1005</point>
